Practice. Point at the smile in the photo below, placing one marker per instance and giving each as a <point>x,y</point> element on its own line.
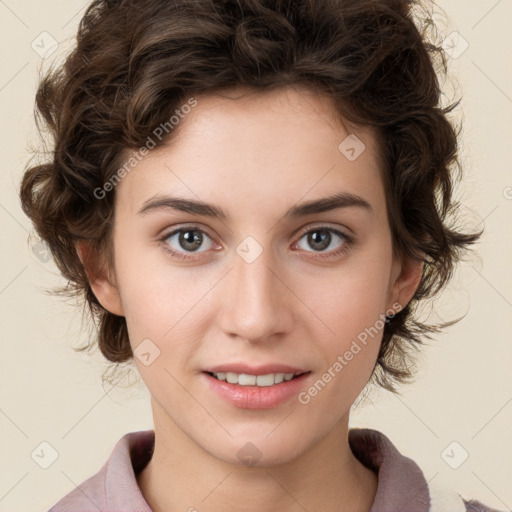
<point>249,391</point>
<point>244,379</point>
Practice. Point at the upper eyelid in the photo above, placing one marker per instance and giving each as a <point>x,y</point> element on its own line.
<point>173,231</point>
<point>325,226</point>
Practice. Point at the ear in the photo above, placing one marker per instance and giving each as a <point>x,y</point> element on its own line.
<point>105,290</point>
<point>405,279</point>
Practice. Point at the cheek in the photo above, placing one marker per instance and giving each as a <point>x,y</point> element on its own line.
<point>351,301</point>
<point>352,308</point>
<point>354,296</point>
<point>155,293</point>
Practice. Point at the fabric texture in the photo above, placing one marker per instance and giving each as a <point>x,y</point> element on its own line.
<point>401,483</point>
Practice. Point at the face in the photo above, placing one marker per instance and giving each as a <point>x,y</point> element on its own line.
<point>266,286</point>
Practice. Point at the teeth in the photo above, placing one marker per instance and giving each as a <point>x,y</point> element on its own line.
<point>247,380</point>
<point>262,380</point>
<point>243,379</point>
<point>278,378</point>
<point>232,378</point>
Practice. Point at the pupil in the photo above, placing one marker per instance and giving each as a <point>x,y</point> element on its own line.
<point>191,242</point>
<point>324,239</point>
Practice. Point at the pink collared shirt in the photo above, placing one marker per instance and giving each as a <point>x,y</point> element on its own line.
<point>401,483</point>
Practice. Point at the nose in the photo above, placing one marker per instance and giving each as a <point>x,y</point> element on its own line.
<point>256,303</point>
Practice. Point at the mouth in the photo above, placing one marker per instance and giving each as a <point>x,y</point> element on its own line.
<point>255,387</point>
<point>246,379</point>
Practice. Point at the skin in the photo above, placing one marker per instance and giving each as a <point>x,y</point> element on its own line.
<point>254,155</point>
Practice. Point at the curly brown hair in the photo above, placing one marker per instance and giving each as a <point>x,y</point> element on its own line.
<point>136,62</point>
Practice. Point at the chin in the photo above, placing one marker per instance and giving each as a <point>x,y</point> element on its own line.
<point>260,449</point>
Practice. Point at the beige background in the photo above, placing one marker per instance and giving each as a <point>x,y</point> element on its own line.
<point>463,391</point>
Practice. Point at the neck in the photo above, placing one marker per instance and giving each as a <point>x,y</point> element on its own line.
<point>182,476</point>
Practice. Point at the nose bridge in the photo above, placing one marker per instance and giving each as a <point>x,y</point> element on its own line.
<point>254,304</point>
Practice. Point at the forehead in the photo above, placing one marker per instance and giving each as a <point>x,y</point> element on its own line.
<point>241,144</point>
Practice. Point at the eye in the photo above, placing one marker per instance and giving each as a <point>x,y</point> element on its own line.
<point>186,240</point>
<point>323,238</point>
<point>183,242</point>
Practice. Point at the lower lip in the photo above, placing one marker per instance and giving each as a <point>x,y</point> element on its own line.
<point>256,397</point>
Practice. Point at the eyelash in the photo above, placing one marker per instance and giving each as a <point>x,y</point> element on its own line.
<point>347,241</point>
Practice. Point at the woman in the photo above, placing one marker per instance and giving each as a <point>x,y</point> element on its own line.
<point>253,197</point>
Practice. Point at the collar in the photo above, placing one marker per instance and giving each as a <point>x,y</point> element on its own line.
<point>401,483</point>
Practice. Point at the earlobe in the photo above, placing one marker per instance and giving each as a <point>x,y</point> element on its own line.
<point>406,281</point>
<point>104,287</point>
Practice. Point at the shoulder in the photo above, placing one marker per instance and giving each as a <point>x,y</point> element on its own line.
<point>114,486</point>
<point>476,506</point>
<point>402,484</point>
<point>444,499</point>
<point>89,495</point>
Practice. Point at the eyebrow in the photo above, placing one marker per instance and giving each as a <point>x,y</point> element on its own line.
<point>340,200</point>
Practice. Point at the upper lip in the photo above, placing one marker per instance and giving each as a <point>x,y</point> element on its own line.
<point>263,369</point>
